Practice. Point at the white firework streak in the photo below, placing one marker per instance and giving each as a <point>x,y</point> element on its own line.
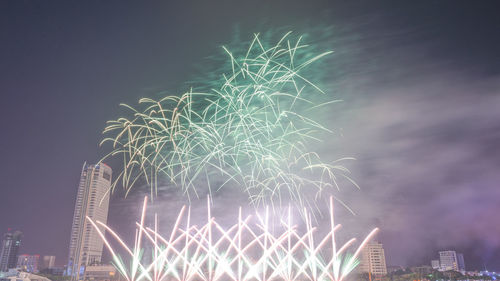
<point>253,129</point>
<point>243,252</point>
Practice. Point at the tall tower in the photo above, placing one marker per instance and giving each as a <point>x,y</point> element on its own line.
<point>373,259</point>
<point>92,200</point>
<point>10,248</point>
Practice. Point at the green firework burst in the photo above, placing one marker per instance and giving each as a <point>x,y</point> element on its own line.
<point>251,130</point>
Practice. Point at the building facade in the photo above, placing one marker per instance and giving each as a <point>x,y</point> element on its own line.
<point>448,260</point>
<point>101,273</point>
<point>372,259</point>
<point>92,201</point>
<point>28,263</point>
<point>422,270</point>
<point>10,248</point>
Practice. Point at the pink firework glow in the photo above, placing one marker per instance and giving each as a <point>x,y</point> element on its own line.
<point>244,251</point>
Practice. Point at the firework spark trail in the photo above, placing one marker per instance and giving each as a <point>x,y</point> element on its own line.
<point>242,252</point>
<point>252,130</point>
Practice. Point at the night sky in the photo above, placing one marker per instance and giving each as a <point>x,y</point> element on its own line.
<point>420,84</point>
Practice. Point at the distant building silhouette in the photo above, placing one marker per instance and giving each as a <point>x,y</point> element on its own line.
<point>92,201</point>
<point>10,249</point>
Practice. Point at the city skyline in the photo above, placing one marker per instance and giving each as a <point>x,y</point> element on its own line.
<point>419,84</point>
<point>371,260</point>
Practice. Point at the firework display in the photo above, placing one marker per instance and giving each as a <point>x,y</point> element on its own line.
<point>244,251</point>
<point>253,129</point>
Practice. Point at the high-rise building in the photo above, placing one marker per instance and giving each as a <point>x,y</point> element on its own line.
<point>448,260</point>
<point>10,248</point>
<point>28,263</point>
<point>92,201</point>
<point>47,262</point>
<point>373,259</point>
